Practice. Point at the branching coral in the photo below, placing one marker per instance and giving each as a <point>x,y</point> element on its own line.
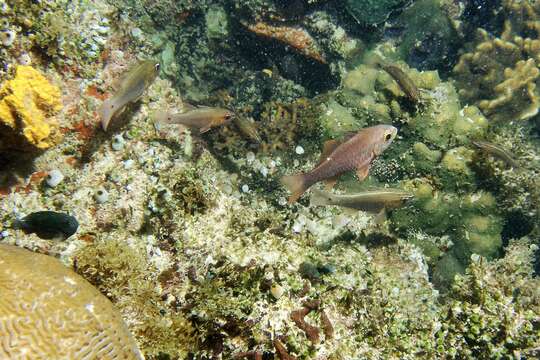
<point>500,74</point>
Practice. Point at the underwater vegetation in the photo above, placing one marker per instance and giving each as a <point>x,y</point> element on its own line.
<point>151,137</point>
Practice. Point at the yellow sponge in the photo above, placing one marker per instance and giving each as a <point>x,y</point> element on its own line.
<point>28,104</point>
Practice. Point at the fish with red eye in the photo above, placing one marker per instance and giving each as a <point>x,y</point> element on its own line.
<point>197,118</point>
<point>356,151</point>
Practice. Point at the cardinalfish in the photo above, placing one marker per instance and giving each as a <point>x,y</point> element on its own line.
<point>201,118</point>
<point>372,201</point>
<point>357,151</point>
<point>132,87</point>
<point>496,151</point>
<point>404,81</point>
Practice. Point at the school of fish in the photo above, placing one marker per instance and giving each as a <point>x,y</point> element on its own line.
<point>355,151</point>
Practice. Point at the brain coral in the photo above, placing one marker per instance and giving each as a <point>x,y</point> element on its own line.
<point>28,104</point>
<point>49,312</point>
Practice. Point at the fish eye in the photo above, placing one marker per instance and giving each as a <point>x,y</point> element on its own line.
<point>387,137</point>
<point>157,66</point>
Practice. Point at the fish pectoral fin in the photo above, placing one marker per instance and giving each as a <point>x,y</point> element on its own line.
<point>380,218</point>
<point>330,183</point>
<point>362,172</point>
<point>328,147</point>
<point>204,129</point>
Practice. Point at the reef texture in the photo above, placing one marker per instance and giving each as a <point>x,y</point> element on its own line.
<point>49,312</point>
<point>191,236</point>
<point>500,73</point>
<point>28,104</point>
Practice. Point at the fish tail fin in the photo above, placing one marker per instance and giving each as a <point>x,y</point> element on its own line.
<point>106,113</point>
<point>296,184</point>
<point>320,198</point>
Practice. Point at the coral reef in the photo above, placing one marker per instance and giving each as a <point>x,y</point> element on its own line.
<point>499,74</point>
<point>28,104</point>
<point>73,317</point>
<point>71,34</point>
<point>190,235</point>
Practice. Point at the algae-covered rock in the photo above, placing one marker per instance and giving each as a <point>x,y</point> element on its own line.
<point>49,312</point>
<point>429,39</point>
<point>373,12</point>
<point>28,104</point>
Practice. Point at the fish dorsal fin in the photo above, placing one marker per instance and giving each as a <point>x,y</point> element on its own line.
<point>330,182</point>
<point>328,147</point>
<point>188,107</point>
<point>362,172</point>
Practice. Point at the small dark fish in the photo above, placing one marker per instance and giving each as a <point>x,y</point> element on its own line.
<point>357,152</point>
<point>132,87</point>
<point>199,118</point>
<point>404,81</point>
<point>372,201</point>
<point>48,224</point>
<point>247,128</point>
<point>496,151</point>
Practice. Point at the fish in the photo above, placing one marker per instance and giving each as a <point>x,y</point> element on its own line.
<point>199,118</point>
<point>496,151</point>
<point>404,81</point>
<point>132,87</point>
<point>48,225</point>
<point>247,128</point>
<point>372,201</point>
<point>356,151</point>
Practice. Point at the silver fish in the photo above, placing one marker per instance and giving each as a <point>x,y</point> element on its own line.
<point>136,81</point>
<point>372,201</point>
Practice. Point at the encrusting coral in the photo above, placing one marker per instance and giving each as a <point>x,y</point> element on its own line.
<point>49,312</point>
<point>500,74</point>
<point>28,104</point>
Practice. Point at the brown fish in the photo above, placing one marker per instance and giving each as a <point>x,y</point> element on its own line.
<point>372,201</point>
<point>199,118</point>
<point>496,151</point>
<point>132,87</point>
<point>356,152</point>
<point>404,81</point>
